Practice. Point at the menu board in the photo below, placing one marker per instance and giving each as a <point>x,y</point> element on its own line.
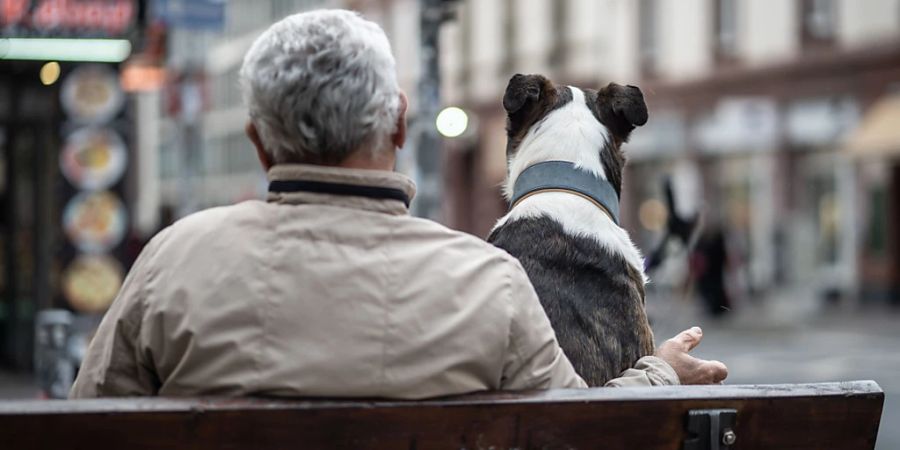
<point>93,160</point>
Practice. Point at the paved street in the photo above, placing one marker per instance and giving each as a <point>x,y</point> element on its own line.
<point>17,386</point>
<point>792,340</point>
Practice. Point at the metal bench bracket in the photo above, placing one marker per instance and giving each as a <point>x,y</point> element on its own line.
<point>711,429</point>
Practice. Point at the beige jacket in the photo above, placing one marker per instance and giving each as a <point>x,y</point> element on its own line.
<point>314,294</point>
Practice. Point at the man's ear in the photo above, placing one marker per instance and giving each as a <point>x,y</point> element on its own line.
<point>627,102</point>
<point>399,136</point>
<point>522,90</point>
<point>253,134</point>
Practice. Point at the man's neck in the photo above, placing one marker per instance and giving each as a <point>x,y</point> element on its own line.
<point>379,160</point>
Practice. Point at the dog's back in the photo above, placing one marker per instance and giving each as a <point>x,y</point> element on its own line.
<point>584,268</point>
<point>589,299</point>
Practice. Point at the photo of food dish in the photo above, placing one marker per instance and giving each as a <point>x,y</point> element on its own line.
<point>91,94</point>
<point>93,158</point>
<point>91,282</point>
<point>95,222</point>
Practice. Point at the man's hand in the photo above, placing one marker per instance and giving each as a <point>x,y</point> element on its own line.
<point>690,370</point>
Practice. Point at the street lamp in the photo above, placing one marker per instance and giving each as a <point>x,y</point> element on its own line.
<point>432,13</point>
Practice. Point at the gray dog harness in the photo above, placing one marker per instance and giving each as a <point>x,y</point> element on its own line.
<point>563,176</point>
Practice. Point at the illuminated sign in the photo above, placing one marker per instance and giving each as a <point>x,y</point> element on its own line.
<point>95,18</point>
<point>191,14</point>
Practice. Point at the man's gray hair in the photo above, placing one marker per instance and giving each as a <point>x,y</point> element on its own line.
<point>320,85</point>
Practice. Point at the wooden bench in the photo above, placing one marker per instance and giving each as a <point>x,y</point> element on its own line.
<point>807,416</point>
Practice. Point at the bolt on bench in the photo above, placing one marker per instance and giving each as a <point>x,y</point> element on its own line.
<point>797,416</point>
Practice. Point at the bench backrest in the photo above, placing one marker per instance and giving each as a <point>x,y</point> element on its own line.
<point>808,416</point>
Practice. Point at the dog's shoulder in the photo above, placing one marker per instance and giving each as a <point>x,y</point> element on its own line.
<point>543,241</point>
<point>564,216</point>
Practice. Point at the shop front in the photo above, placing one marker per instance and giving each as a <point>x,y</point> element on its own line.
<point>874,148</point>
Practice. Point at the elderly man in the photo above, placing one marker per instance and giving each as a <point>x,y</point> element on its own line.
<point>329,288</point>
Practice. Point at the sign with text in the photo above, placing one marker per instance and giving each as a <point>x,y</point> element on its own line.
<point>192,14</point>
<point>67,18</point>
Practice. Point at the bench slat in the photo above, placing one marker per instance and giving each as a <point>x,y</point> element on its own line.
<point>810,416</point>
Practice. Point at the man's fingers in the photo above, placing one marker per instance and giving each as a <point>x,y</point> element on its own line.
<point>716,371</point>
<point>689,339</point>
<point>691,370</point>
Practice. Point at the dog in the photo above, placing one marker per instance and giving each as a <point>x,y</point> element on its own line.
<point>564,180</point>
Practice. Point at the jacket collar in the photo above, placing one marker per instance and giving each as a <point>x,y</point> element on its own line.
<point>373,190</point>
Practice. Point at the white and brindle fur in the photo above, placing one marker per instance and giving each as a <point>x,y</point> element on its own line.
<point>587,272</point>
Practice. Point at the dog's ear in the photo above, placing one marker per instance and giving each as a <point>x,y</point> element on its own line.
<point>522,90</point>
<point>627,103</point>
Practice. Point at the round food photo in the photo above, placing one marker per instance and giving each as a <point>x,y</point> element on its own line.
<point>95,222</point>
<point>91,94</point>
<point>93,158</point>
<point>91,282</point>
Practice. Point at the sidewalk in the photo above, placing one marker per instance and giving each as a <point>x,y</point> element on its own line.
<point>794,337</point>
<point>16,386</point>
<point>796,307</point>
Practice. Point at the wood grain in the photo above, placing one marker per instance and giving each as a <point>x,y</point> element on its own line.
<point>810,416</point>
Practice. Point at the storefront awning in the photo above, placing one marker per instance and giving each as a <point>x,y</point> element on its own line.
<point>878,134</point>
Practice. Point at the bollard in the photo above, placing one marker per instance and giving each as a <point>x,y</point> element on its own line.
<point>54,367</point>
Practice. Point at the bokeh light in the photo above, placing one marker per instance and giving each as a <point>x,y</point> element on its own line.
<point>50,73</point>
<point>452,122</point>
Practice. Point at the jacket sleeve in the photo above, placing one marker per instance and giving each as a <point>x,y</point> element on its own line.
<point>114,365</point>
<point>534,359</point>
<point>648,371</point>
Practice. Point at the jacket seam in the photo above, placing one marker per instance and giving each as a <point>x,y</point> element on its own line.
<point>145,290</point>
<point>265,313</point>
<point>386,300</point>
<point>512,345</point>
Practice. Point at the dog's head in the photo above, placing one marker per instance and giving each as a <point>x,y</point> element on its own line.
<point>584,126</point>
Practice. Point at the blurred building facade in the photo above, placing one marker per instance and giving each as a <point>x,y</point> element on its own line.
<point>755,105</point>
<point>205,157</point>
<point>758,111</point>
<point>764,99</point>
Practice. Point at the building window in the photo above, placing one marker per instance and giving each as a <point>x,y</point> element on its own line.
<point>281,9</point>
<point>876,237</point>
<point>465,13</point>
<point>647,40</point>
<point>558,50</point>
<point>726,29</point>
<point>818,21</point>
<point>509,36</point>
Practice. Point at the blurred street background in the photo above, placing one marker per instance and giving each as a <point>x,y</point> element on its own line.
<point>765,188</point>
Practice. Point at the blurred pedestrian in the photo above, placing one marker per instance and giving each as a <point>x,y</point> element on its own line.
<point>330,288</point>
<point>709,262</point>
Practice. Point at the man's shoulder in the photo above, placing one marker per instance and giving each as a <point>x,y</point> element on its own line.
<point>429,231</point>
<point>212,221</point>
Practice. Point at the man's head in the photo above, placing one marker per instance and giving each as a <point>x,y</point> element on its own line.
<point>321,88</point>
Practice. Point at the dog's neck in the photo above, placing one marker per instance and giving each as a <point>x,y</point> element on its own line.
<point>563,176</point>
<point>571,134</point>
